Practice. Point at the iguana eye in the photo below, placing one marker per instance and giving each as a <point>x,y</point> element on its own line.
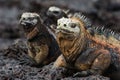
<point>55,12</point>
<point>73,25</point>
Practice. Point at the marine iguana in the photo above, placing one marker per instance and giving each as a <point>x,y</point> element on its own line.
<point>52,15</point>
<point>88,49</point>
<point>42,47</point>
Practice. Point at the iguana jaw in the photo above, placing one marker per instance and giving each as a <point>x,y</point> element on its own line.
<point>64,31</point>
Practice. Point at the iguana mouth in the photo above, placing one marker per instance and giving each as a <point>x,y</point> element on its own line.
<point>64,31</point>
<point>27,26</point>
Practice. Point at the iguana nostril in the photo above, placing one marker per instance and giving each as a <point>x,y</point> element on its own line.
<point>65,25</point>
<point>23,18</point>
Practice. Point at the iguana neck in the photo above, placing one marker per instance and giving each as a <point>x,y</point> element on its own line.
<point>38,30</point>
<point>32,34</point>
<point>72,48</point>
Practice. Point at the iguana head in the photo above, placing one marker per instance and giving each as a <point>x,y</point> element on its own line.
<point>31,24</point>
<point>29,20</point>
<point>55,12</point>
<point>68,27</point>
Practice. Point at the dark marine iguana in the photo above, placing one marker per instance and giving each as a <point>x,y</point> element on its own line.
<point>89,50</point>
<point>42,47</point>
<point>52,15</point>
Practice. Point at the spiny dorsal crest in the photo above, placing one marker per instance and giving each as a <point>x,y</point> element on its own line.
<point>107,32</point>
<point>83,18</point>
<point>96,30</point>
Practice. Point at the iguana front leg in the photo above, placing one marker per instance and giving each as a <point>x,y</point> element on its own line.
<point>40,53</point>
<point>60,62</point>
<point>58,68</point>
<point>100,63</point>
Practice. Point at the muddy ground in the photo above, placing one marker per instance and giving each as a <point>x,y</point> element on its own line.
<point>15,65</point>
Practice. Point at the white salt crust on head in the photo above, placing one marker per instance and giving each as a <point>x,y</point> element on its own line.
<point>29,14</point>
<point>53,8</point>
<point>66,23</point>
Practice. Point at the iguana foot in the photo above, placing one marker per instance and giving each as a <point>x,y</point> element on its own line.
<point>57,73</point>
<point>81,74</point>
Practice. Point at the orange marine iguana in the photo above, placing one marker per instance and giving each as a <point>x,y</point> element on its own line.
<point>89,50</point>
<point>42,47</point>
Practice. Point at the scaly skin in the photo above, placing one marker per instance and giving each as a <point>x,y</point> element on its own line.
<point>42,47</point>
<point>52,15</point>
<point>84,49</point>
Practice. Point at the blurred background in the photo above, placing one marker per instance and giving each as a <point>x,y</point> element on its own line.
<point>101,12</point>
